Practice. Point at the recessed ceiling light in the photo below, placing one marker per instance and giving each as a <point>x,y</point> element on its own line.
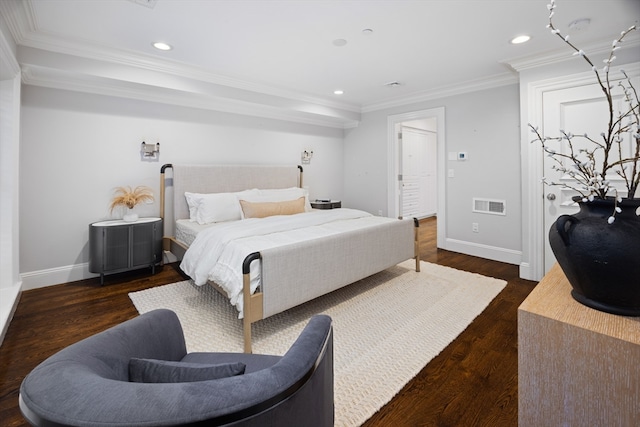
<point>520,39</point>
<point>339,42</point>
<point>367,31</point>
<point>338,92</point>
<point>162,46</point>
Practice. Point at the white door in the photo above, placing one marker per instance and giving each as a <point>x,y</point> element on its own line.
<point>410,177</point>
<point>418,184</point>
<point>579,110</point>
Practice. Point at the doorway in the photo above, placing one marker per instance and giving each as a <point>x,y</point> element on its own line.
<point>433,120</point>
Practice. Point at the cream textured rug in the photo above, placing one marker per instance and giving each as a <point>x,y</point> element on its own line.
<point>387,327</point>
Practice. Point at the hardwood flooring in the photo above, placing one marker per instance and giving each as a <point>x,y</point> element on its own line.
<point>473,382</point>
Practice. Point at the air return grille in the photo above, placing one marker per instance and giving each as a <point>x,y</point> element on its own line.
<point>489,206</point>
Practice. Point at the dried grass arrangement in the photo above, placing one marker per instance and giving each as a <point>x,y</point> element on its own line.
<point>125,196</point>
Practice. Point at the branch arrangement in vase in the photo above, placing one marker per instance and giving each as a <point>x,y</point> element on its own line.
<point>128,197</point>
<point>589,174</point>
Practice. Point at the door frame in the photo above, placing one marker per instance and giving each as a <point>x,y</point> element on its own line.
<point>393,159</point>
<point>532,165</point>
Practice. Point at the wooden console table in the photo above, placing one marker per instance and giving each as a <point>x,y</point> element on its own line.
<point>576,366</point>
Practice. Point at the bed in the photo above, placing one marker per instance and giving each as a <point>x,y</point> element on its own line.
<point>269,251</point>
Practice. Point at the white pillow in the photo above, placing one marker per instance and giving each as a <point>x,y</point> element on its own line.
<point>215,207</point>
<point>218,208</point>
<point>278,195</point>
<point>193,201</point>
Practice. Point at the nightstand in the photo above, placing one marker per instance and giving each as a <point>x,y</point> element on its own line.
<point>116,245</point>
<point>326,204</point>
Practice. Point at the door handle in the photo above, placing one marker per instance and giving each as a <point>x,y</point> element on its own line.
<point>551,196</point>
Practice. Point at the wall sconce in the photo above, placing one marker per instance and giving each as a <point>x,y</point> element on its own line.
<point>150,152</point>
<point>306,156</point>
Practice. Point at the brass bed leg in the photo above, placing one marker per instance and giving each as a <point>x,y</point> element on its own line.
<point>246,321</point>
<point>416,242</point>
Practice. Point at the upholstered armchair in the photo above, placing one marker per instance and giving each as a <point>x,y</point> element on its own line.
<point>139,374</point>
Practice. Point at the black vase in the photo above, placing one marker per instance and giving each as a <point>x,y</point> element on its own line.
<point>601,260</point>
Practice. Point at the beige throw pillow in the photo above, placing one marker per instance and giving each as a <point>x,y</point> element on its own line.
<point>265,209</point>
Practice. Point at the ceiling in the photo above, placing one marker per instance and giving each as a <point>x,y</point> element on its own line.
<point>286,50</point>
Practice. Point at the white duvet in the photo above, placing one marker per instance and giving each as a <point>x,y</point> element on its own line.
<point>217,253</point>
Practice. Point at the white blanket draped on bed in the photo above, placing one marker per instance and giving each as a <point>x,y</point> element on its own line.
<point>217,253</point>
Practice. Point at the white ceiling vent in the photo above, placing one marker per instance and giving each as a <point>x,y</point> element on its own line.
<point>489,206</point>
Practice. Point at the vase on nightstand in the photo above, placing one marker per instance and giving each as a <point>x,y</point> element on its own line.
<point>130,216</point>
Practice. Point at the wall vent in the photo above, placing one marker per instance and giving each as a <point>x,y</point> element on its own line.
<point>489,206</point>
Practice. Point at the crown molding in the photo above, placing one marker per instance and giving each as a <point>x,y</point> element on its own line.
<point>446,91</point>
<point>79,82</point>
<point>550,58</point>
<point>56,70</point>
<point>18,19</point>
<point>174,68</point>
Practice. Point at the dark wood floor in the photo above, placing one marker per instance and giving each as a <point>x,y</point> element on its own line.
<point>473,382</point>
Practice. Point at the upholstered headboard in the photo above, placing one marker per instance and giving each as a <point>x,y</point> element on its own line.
<point>177,179</point>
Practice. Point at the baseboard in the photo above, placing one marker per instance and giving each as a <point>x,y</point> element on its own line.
<point>525,271</point>
<point>68,273</point>
<point>9,298</point>
<point>56,276</point>
<point>508,256</point>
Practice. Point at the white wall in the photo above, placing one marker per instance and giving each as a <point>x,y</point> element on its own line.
<point>485,124</point>
<point>76,147</point>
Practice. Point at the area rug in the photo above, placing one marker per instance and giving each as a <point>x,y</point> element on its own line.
<point>387,327</point>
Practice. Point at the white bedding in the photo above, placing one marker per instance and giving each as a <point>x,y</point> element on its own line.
<point>217,252</point>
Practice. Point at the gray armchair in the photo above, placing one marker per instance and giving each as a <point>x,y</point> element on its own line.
<point>139,374</point>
